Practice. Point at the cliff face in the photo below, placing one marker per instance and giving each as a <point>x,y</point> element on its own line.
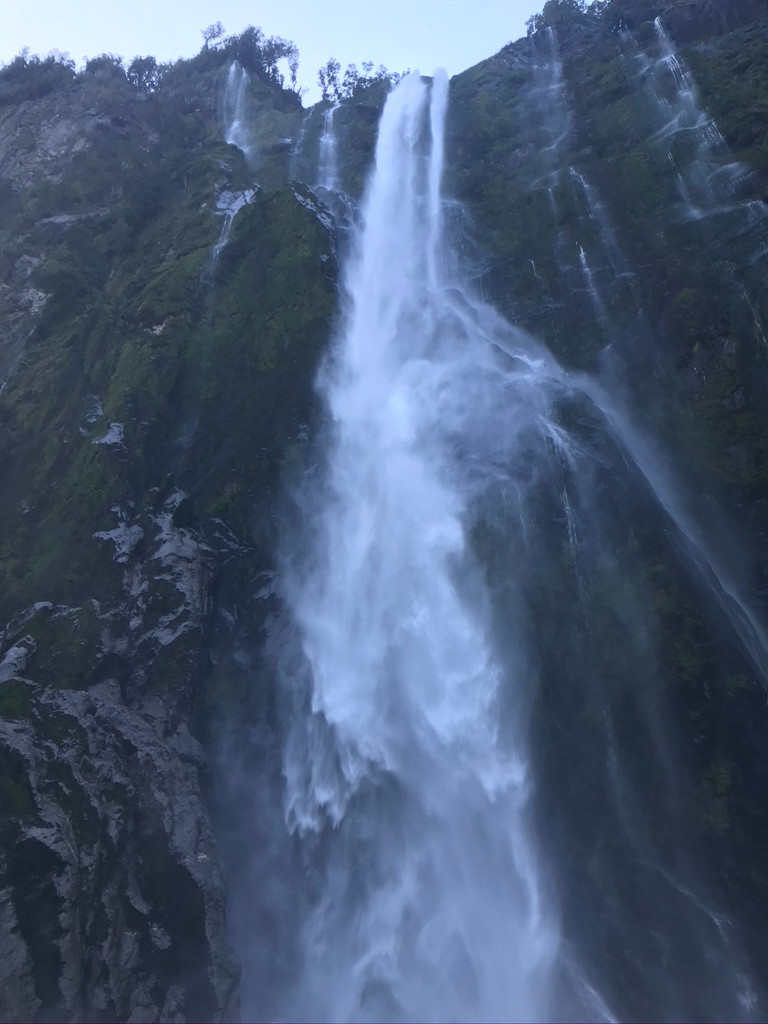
<point>692,20</point>
<point>156,390</point>
<point>149,399</point>
<point>619,223</point>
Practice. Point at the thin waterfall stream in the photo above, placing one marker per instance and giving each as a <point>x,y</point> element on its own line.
<point>237,132</point>
<point>328,161</point>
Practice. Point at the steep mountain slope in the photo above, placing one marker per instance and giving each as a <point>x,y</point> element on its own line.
<point>157,393</point>
<point>134,378</point>
<point>639,255</point>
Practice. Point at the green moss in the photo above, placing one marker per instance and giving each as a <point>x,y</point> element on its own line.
<point>16,700</point>
<point>63,787</point>
<point>61,728</point>
<point>716,787</point>
<point>16,797</point>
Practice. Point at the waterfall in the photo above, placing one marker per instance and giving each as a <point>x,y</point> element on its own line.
<point>297,149</point>
<point>597,212</point>
<point>710,182</point>
<point>697,546</point>
<point>237,130</point>
<point>462,476</point>
<point>228,204</point>
<point>601,313</point>
<point>705,181</point>
<point>681,111</point>
<point>406,766</point>
<point>552,115</point>
<point>328,161</point>
<point>714,190</point>
<point>548,98</point>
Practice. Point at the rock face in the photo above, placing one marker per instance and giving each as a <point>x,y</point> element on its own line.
<point>690,20</point>
<point>576,178</point>
<point>111,878</point>
<point>153,399</point>
<point>167,393</point>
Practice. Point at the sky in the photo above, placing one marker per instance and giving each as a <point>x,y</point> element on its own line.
<point>417,34</point>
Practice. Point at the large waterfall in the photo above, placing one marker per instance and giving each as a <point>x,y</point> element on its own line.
<point>455,441</point>
<point>408,761</point>
<point>485,811</point>
<point>384,528</point>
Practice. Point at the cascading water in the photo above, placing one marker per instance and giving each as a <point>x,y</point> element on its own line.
<point>548,97</point>
<point>716,192</point>
<point>705,180</point>
<point>236,127</point>
<point>228,205</point>
<point>596,299</point>
<point>597,212</point>
<point>328,159</point>
<point>709,180</point>
<point>431,906</point>
<point>695,546</point>
<point>681,112</point>
<point>547,100</point>
<point>297,149</point>
<point>456,543</point>
<point>237,133</point>
<point>597,254</point>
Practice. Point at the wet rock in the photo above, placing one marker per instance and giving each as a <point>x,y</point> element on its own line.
<point>690,20</point>
<point>112,896</point>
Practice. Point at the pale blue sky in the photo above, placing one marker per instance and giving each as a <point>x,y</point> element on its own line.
<point>422,34</point>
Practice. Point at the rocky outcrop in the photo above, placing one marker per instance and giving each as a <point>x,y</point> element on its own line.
<point>575,177</point>
<point>152,399</point>
<point>113,898</point>
<point>168,390</point>
<point>47,146</point>
<point>113,903</point>
<point>691,20</point>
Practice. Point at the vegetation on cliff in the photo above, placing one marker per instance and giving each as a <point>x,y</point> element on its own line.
<point>152,398</point>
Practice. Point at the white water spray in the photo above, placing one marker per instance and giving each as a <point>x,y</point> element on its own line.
<point>709,180</point>
<point>228,205</point>
<point>408,765</point>
<point>328,161</point>
<point>598,213</point>
<point>406,768</point>
<point>595,298</point>
<point>548,97</point>
<point>237,133</point>
<point>236,127</point>
<point>297,149</point>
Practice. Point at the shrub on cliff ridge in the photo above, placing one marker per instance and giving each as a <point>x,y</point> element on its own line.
<point>30,77</point>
